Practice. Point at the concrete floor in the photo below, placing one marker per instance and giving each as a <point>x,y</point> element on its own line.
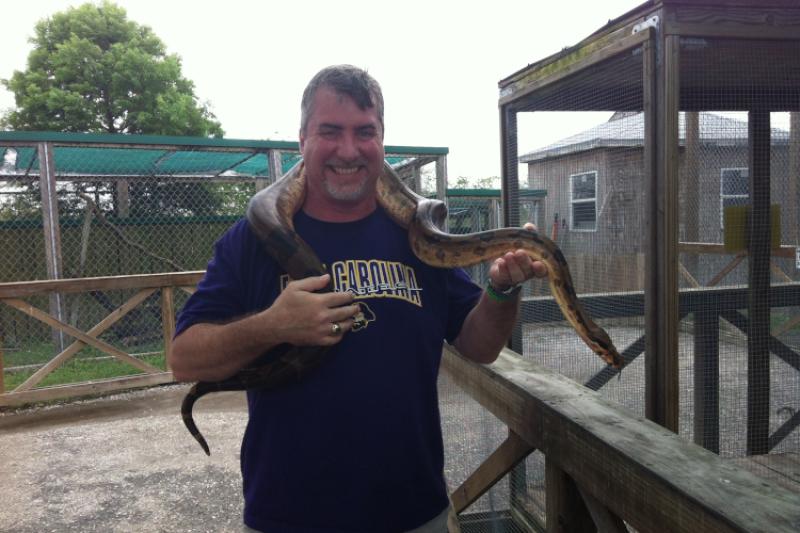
<point>122,464</point>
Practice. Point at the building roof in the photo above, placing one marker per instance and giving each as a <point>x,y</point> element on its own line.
<point>626,130</point>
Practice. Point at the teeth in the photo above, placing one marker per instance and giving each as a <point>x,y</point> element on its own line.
<point>345,170</point>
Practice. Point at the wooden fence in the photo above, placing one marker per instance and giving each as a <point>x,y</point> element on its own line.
<point>15,294</point>
<point>606,469</point>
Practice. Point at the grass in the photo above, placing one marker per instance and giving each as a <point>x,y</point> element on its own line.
<point>89,364</point>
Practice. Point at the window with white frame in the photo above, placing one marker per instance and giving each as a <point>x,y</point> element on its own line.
<point>734,189</point>
<point>583,201</point>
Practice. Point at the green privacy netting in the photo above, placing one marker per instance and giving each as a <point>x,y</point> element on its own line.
<point>148,155</point>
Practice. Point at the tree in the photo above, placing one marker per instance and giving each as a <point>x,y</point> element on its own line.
<point>93,70</point>
<point>488,182</point>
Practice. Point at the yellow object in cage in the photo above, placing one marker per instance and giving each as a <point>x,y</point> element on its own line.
<point>736,226</point>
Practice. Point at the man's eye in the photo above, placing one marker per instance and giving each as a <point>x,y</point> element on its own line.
<point>328,134</point>
<point>366,134</point>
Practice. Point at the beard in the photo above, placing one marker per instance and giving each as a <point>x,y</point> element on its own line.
<point>348,192</point>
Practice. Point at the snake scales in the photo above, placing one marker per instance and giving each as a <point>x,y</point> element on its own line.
<point>270,214</point>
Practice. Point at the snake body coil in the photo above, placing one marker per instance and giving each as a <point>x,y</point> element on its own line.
<point>270,214</point>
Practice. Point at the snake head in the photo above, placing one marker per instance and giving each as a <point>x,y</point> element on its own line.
<point>434,211</point>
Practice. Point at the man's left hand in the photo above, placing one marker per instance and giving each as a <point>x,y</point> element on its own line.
<point>515,268</point>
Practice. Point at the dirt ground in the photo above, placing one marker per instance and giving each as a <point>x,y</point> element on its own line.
<point>122,464</point>
<point>126,463</point>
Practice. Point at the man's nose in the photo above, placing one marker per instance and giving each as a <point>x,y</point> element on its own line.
<point>347,149</point>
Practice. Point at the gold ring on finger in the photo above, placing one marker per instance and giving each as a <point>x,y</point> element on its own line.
<point>336,328</point>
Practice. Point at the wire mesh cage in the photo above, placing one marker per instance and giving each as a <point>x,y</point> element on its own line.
<point>667,149</point>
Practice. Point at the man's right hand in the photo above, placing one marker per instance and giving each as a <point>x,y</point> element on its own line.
<point>303,317</point>
<point>299,316</point>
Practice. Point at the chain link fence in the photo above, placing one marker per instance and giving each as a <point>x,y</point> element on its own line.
<point>75,206</point>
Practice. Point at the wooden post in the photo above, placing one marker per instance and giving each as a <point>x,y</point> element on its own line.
<point>565,508</point>
<point>661,288</point>
<point>168,320</point>
<point>2,368</point>
<point>441,177</point>
<point>52,232</point>
<point>509,198</point>
<point>758,381</point>
<point>706,379</point>
<point>275,165</point>
<point>691,185</point>
<point>416,175</point>
<point>793,191</point>
<point>123,198</point>
<point>511,452</point>
<point>510,177</point>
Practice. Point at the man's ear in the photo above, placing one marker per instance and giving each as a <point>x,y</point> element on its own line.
<point>301,136</point>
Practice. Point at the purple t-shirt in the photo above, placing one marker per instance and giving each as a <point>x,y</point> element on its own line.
<point>356,446</point>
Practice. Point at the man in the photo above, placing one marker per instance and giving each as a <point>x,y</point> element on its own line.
<point>356,446</point>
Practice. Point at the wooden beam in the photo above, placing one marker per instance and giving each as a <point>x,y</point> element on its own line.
<point>579,58</point>
<point>793,191</point>
<point>706,379</point>
<point>646,475</point>
<point>786,251</point>
<point>84,389</point>
<point>22,289</point>
<point>758,379</point>
<point>688,276</point>
<point>441,177</point>
<point>747,20</point>
<point>52,231</point>
<point>122,198</point>
<point>733,263</point>
<point>689,187</point>
<point>500,462</point>
<point>510,177</point>
<point>416,178</point>
<point>565,509</point>
<point>606,521</point>
<point>780,273</point>
<point>103,346</point>
<point>275,165</point>
<point>510,186</point>
<point>661,283</point>
<point>168,320</point>
<point>111,319</point>
<point>781,433</point>
<point>2,369</point>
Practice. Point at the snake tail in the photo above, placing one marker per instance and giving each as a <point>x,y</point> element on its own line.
<point>291,367</point>
<point>198,389</point>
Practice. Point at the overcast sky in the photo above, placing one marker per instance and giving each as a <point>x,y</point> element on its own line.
<point>438,61</point>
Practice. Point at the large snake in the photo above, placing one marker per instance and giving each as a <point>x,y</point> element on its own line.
<point>270,213</point>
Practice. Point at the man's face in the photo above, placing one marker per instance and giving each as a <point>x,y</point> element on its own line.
<point>342,149</point>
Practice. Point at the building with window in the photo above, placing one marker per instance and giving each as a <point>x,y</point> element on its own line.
<point>595,185</point>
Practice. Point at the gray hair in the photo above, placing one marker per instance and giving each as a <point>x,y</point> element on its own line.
<point>344,80</point>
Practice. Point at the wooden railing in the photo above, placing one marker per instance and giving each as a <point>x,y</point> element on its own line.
<point>706,305</point>
<point>14,295</point>
<point>605,467</point>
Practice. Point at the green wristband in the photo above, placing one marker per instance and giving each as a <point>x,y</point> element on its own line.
<point>503,296</point>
